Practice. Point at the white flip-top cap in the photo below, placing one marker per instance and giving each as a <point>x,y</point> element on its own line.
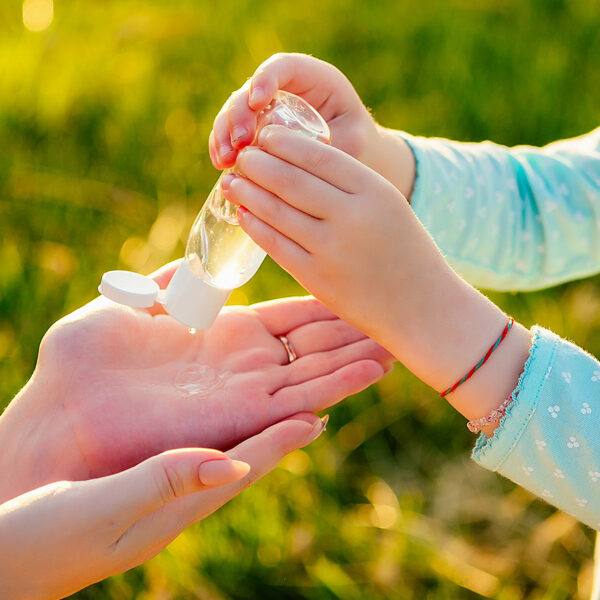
<point>188,298</point>
<point>129,288</point>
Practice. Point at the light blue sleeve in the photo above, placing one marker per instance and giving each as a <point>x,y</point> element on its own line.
<point>549,440</point>
<point>518,218</point>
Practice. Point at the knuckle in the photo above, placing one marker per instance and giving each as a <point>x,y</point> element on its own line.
<point>318,158</point>
<point>275,58</point>
<point>169,482</point>
<point>250,479</point>
<point>285,179</point>
<point>273,209</point>
<point>328,269</point>
<point>271,241</point>
<point>340,330</point>
<point>238,103</point>
<point>354,217</point>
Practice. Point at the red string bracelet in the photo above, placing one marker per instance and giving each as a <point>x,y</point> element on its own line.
<point>483,360</point>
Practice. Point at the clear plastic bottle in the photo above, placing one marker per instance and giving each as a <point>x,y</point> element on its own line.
<point>219,255</point>
<point>218,249</point>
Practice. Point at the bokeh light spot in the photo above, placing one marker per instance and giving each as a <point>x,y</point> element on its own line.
<point>135,253</point>
<point>38,14</point>
<point>180,125</point>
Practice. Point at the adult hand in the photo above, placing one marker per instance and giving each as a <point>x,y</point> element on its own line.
<point>328,90</point>
<point>66,535</point>
<point>114,386</point>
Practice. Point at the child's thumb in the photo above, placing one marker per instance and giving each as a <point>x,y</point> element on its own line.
<point>163,478</point>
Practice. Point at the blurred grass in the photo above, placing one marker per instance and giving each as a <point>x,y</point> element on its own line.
<point>104,118</point>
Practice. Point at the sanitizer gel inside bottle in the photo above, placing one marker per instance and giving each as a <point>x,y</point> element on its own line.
<point>219,256</point>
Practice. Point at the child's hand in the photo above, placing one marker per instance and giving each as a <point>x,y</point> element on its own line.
<point>319,83</point>
<point>343,231</point>
<point>348,236</point>
<point>327,89</point>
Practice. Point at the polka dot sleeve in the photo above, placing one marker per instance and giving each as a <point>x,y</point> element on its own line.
<point>511,218</point>
<point>548,441</point>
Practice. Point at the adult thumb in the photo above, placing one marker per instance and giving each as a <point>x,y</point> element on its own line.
<point>161,479</point>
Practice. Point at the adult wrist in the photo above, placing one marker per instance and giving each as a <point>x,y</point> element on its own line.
<point>37,441</point>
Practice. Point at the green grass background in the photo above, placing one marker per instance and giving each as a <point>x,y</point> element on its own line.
<point>104,119</point>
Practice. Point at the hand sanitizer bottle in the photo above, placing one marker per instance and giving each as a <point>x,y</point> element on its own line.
<point>219,256</point>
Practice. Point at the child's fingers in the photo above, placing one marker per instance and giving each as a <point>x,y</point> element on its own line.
<point>321,160</point>
<point>279,72</point>
<point>212,150</point>
<point>299,188</point>
<point>313,79</point>
<point>285,252</point>
<point>241,119</point>
<point>294,224</point>
<point>233,128</point>
<point>219,143</point>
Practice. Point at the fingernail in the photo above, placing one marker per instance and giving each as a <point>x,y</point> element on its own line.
<point>219,472</point>
<point>241,211</point>
<point>228,155</point>
<point>318,429</point>
<point>226,181</point>
<point>257,95</point>
<point>238,133</point>
<point>223,147</point>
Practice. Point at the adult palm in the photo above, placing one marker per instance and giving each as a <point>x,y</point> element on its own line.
<point>139,383</point>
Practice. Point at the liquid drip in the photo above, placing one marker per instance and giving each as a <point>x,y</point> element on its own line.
<point>200,379</point>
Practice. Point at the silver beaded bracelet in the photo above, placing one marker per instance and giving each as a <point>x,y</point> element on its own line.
<point>477,424</point>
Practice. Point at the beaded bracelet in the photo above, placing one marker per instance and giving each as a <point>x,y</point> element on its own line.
<point>476,425</point>
<point>483,360</point>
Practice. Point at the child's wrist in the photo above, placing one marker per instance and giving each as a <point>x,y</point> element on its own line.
<point>447,331</point>
<point>392,158</point>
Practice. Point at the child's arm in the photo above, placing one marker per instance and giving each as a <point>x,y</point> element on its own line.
<point>350,238</point>
<point>505,218</point>
<point>512,218</point>
<point>347,235</point>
